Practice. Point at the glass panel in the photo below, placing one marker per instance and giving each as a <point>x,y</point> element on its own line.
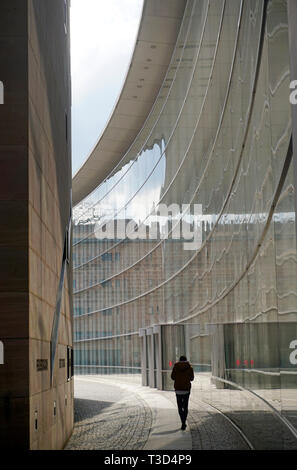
<point>212,156</point>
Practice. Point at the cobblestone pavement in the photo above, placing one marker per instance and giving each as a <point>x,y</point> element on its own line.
<point>108,418</point>
<point>210,430</point>
<point>117,413</point>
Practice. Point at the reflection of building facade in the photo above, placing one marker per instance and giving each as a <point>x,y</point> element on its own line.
<point>224,119</point>
<point>97,286</point>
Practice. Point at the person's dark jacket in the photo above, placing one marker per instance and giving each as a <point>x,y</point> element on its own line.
<point>182,374</point>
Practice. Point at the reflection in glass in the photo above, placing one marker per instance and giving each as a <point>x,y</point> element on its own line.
<point>213,160</point>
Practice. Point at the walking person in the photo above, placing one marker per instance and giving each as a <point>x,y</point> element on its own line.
<point>183,375</point>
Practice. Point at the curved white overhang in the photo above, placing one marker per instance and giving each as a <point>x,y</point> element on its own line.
<point>157,35</point>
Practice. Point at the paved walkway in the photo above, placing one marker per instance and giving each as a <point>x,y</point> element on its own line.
<point>113,415</point>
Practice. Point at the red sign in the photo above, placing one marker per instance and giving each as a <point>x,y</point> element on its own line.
<point>170,363</point>
<point>246,362</point>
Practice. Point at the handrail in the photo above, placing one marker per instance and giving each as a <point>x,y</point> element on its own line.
<point>283,420</point>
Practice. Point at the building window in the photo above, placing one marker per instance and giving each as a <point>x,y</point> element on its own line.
<point>77,310</point>
<point>106,257</point>
<point>107,312</point>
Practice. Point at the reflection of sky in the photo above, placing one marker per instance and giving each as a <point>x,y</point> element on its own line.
<point>226,219</point>
<point>151,166</point>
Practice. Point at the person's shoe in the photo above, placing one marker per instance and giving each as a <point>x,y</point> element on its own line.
<point>183,426</point>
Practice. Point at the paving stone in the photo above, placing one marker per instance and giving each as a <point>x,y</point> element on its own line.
<point>101,425</point>
<point>113,415</point>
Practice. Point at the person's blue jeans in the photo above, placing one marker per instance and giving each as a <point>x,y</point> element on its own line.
<point>182,404</point>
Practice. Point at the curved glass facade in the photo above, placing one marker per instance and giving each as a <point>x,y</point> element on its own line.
<point>189,246</point>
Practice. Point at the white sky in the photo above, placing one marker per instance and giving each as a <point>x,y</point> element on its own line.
<point>103,34</point>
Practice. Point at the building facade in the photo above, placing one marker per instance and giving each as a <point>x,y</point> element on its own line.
<point>36,390</point>
<point>218,138</point>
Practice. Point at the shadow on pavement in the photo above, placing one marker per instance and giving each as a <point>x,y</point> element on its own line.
<point>86,409</point>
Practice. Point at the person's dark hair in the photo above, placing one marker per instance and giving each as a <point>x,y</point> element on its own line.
<point>183,358</point>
